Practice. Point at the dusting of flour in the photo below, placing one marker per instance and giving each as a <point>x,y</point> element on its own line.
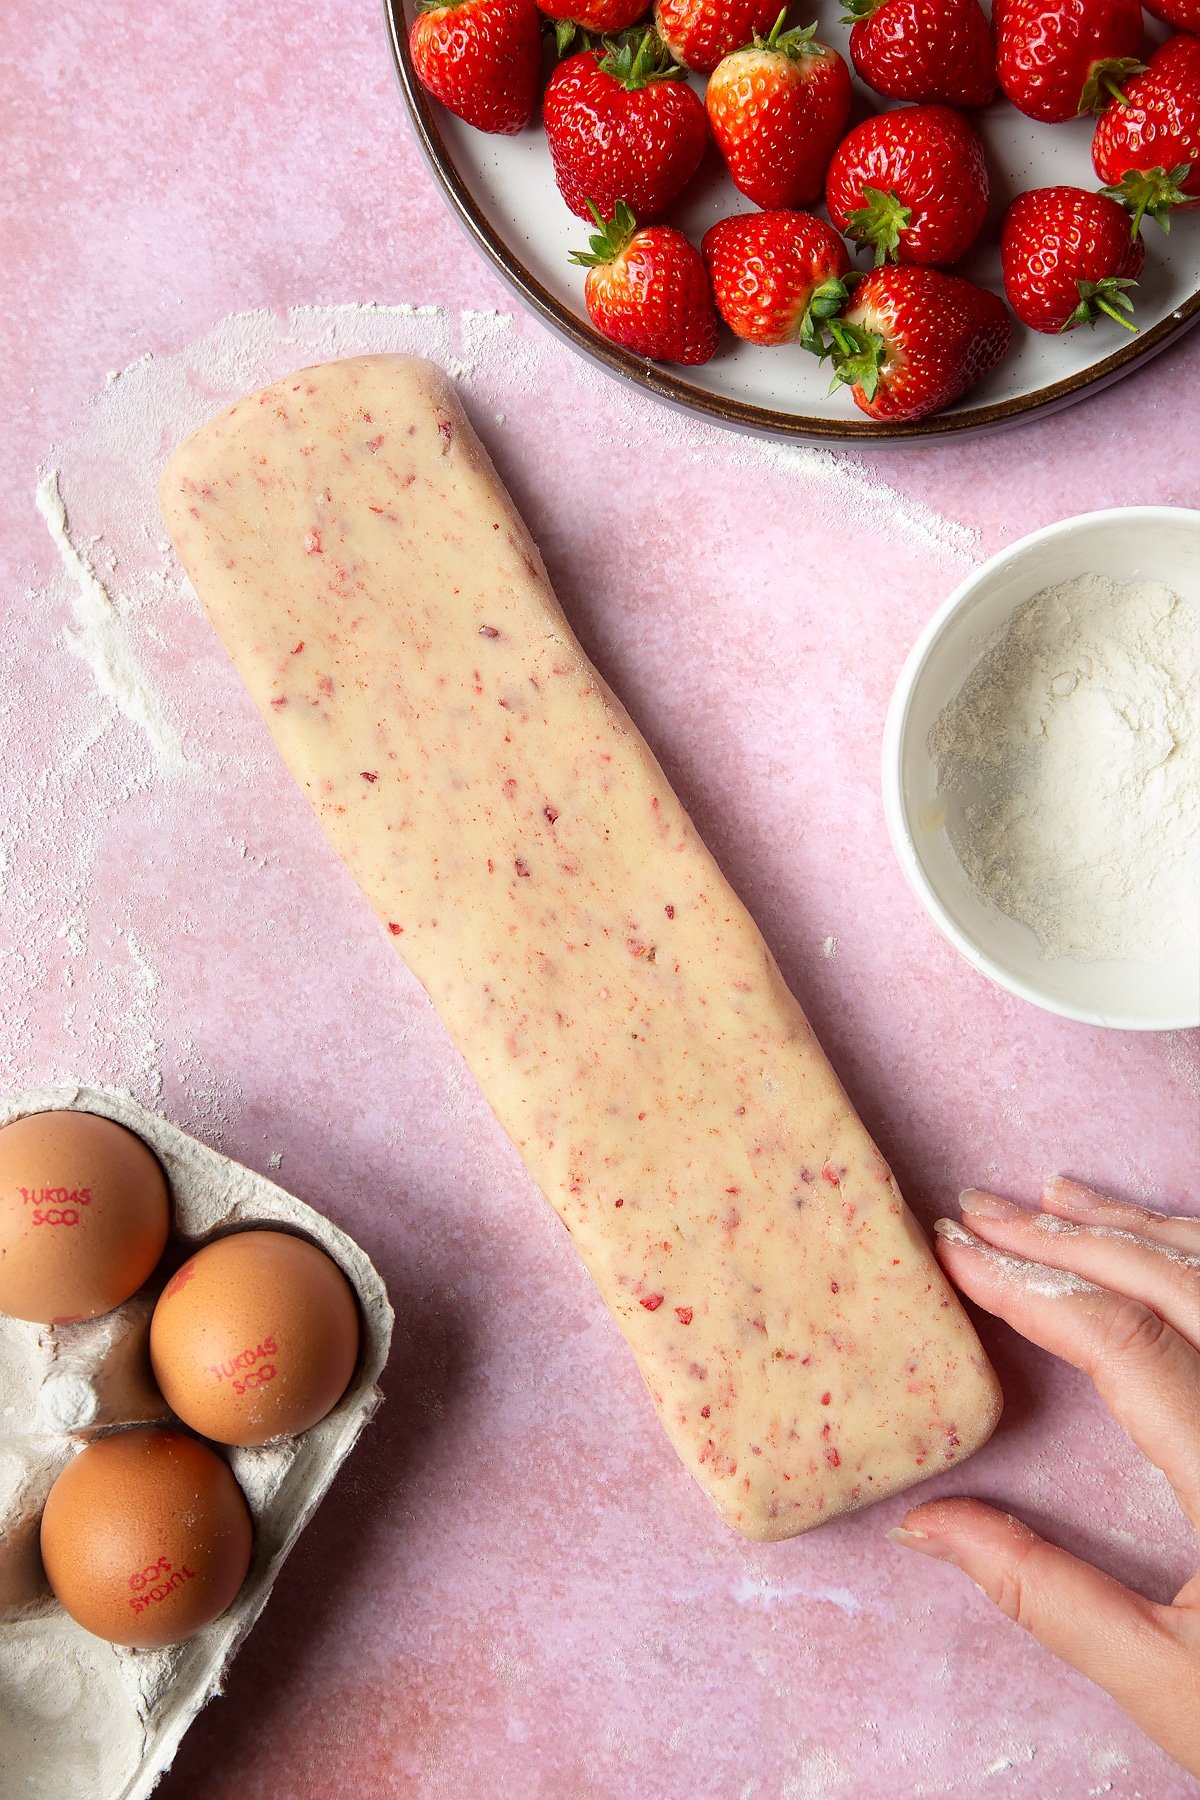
<point>1042,1279</point>
<point>99,638</point>
<point>108,745</point>
<point>1073,750</point>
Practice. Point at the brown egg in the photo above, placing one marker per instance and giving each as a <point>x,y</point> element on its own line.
<point>255,1337</point>
<point>84,1213</point>
<point>146,1537</point>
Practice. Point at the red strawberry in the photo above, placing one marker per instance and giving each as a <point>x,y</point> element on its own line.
<point>1147,142</point>
<point>777,108</point>
<point>481,58</point>
<point>911,183</point>
<point>1067,256</point>
<point>1183,14</point>
<point>776,274</point>
<point>603,18</point>
<point>924,50</point>
<point>623,125</point>
<point>913,340</point>
<point>1054,57</point>
<point>649,290</point>
<point>698,33</point>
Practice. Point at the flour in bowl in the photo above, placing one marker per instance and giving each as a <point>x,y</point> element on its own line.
<point>1069,763</point>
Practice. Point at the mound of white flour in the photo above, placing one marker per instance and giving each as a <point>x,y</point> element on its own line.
<point>1070,762</point>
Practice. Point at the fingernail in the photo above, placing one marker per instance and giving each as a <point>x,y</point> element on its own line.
<point>988,1206</point>
<point>921,1540</point>
<point>1069,1193</point>
<point>954,1233</point>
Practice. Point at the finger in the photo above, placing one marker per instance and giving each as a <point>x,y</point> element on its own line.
<point>1160,1277</point>
<point>1137,1651</point>
<point>1071,1200</point>
<point>1146,1374</point>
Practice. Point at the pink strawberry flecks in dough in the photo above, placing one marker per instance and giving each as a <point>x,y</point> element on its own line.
<point>611,994</point>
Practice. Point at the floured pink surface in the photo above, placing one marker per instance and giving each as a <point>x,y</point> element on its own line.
<point>514,1590</point>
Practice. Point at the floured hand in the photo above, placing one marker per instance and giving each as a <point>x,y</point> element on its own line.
<point>1114,1290</point>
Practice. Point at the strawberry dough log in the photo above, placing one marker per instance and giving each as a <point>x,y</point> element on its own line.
<point>394,624</point>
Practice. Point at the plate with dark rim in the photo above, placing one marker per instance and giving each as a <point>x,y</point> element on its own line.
<point>502,191</point>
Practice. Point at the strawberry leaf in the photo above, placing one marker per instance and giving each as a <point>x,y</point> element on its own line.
<point>565,33</point>
<point>795,44</point>
<point>1104,82</point>
<point>1107,296</point>
<point>857,356</point>
<point>1152,191</point>
<point>860,9</point>
<point>637,58</point>
<point>828,299</point>
<point>610,240</point>
<point>825,302</point>
<point>879,223</point>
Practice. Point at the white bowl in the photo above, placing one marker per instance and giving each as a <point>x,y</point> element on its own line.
<point>1129,543</point>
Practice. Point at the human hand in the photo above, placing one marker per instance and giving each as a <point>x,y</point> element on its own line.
<point>1114,1290</point>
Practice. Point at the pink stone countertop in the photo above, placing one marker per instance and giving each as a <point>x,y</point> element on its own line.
<point>514,1590</point>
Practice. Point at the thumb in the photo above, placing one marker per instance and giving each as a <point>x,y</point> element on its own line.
<point>1132,1648</point>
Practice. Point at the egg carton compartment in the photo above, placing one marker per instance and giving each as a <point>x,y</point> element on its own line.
<point>79,1715</point>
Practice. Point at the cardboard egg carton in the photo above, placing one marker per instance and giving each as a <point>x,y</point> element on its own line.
<point>79,1716</point>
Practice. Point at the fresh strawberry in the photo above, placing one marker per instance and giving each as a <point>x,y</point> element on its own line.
<point>911,184</point>
<point>1067,257</point>
<point>698,33</point>
<point>776,275</point>
<point>777,108</point>
<point>913,340</point>
<point>602,18</point>
<point>481,58</point>
<point>648,289</point>
<point>1055,58</point>
<point>623,125</point>
<point>1147,142</point>
<point>924,50</point>
<point>1183,14</point>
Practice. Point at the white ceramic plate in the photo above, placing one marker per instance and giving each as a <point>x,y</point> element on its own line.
<point>503,191</point>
